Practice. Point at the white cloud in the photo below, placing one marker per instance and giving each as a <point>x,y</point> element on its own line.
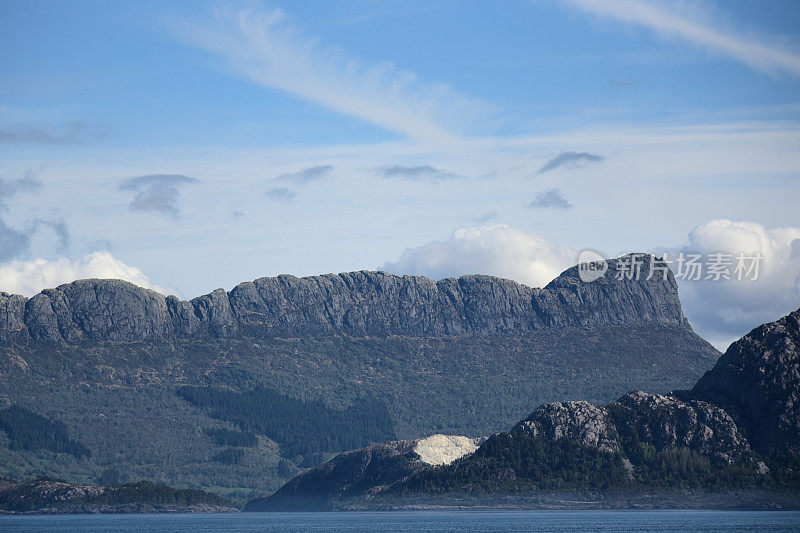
<point>497,250</point>
<point>669,21</point>
<point>267,49</point>
<point>724,310</point>
<point>30,277</point>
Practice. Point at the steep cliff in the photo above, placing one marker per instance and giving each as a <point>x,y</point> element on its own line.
<point>356,304</point>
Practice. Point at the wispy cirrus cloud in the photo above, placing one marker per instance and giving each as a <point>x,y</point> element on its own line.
<point>307,175</point>
<point>486,217</point>
<point>74,132</point>
<point>13,242</point>
<point>10,187</point>
<point>569,159</point>
<point>60,230</point>
<point>416,173</point>
<point>266,48</point>
<point>673,21</point>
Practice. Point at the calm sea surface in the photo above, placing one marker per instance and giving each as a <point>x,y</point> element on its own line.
<point>572,521</point>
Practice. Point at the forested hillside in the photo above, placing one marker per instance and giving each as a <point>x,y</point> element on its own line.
<point>122,401</point>
<point>299,427</point>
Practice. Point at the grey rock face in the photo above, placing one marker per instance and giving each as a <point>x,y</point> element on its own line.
<point>97,309</point>
<point>581,421</point>
<point>354,304</point>
<point>635,285</point>
<point>12,316</point>
<point>758,381</point>
<point>665,422</point>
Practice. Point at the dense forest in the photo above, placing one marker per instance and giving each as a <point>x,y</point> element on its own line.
<point>229,456</point>
<point>299,427</point>
<point>27,430</point>
<point>53,495</point>
<point>152,493</point>
<point>518,461</point>
<point>232,437</point>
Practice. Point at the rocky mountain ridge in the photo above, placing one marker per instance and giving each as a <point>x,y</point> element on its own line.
<point>357,304</point>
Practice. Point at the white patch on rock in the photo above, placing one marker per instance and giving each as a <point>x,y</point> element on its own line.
<point>444,449</point>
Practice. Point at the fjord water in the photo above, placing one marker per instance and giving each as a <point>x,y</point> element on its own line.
<point>455,521</point>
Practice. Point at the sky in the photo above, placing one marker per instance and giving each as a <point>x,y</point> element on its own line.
<point>187,146</point>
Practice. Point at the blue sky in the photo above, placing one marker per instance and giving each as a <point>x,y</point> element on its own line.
<point>191,145</point>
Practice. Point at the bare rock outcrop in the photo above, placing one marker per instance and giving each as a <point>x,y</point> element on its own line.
<point>582,422</point>
<point>355,304</point>
<point>666,422</point>
<point>757,380</point>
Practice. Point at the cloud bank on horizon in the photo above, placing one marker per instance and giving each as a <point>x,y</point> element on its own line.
<point>725,309</point>
<point>495,250</point>
<point>30,277</point>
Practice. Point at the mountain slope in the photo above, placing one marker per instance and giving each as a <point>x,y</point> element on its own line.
<point>758,381</point>
<point>365,471</point>
<point>112,359</point>
<point>641,442</point>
